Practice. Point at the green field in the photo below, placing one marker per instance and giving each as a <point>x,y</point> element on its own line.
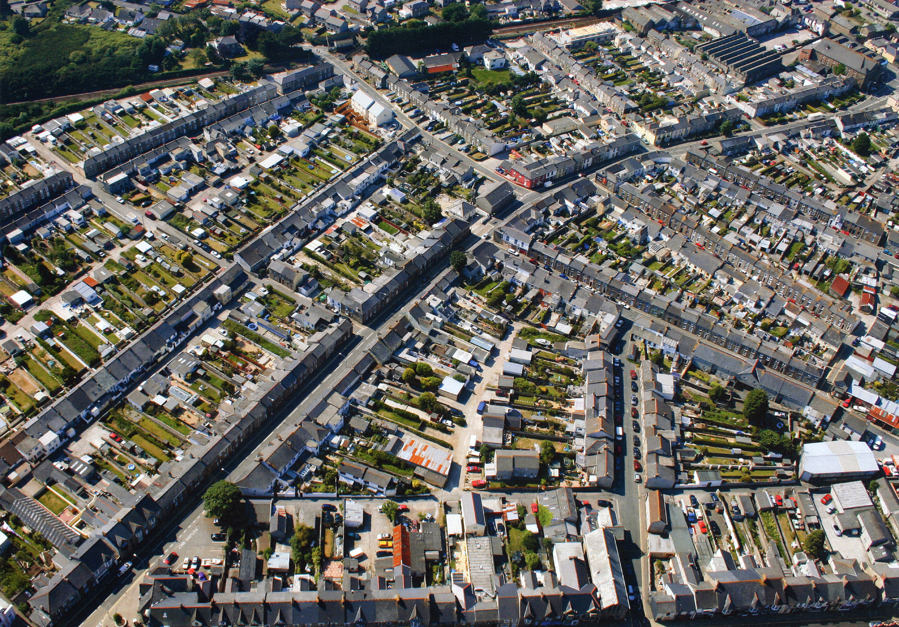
<point>485,76</point>
<point>61,58</point>
<point>45,378</point>
<point>52,501</point>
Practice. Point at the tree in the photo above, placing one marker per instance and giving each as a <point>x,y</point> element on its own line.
<point>595,7</point>
<point>531,561</point>
<point>430,383</point>
<point>814,544</point>
<point>458,260</point>
<point>256,67</point>
<point>861,145</point>
<point>657,358</point>
<point>454,12</point>
<point>591,46</point>
<point>529,541</point>
<point>423,369</point>
<point>717,393</point>
<point>479,11</point>
<point>224,501</point>
<point>755,406</point>
<point>547,452</point>
<point>301,545</point>
<point>428,402</point>
<point>839,69</point>
<point>390,509</point>
<point>726,128</point>
<point>540,115</point>
<point>519,108</point>
<point>198,57</point>
<point>20,26</point>
<point>873,485</point>
<point>431,211</point>
<point>274,131</point>
<point>409,376</point>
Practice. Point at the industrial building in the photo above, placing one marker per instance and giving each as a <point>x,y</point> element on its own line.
<point>837,461</point>
<point>742,57</point>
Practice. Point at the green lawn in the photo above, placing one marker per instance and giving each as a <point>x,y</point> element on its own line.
<point>158,432</point>
<point>45,378</point>
<point>485,76</point>
<point>52,501</point>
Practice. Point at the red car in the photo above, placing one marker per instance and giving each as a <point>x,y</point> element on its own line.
<point>637,466</point>
<point>171,559</point>
<point>149,214</point>
<point>479,483</point>
<point>472,469</point>
<point>534,507</point>
<point>115,437</point>
<point>633,374</point>
<point>634,412</point>
<point>779,500</point>
<point>827,499</point>
<point>402,508</point>
<point>702,527</point>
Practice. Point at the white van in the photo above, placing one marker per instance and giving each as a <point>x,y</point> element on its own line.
<point>619,433</point>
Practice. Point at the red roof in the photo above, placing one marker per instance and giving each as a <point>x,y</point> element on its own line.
<point>867,299</point>
<point>402,549</point>
<point>840,286</point>
<point>146,97</point>
<point>90,281</point>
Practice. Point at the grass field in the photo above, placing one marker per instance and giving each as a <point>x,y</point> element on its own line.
<point>485,76</point>
<point>52,501</point>
<point>45,378</point>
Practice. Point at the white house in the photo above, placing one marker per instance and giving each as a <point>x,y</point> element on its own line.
<point>494,60</point>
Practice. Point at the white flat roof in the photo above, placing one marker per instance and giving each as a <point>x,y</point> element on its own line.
<point>827,458</point>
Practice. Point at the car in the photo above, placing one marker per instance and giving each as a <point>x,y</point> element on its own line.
<point>479,483</point>
<point>618,449</point>
<point>329,508</point>
<point>636,440</point>
<point>535,508</point>
<point>736,511</point>
<point>125,568</point>
<point>636,426</point>
<point>831,508</point>
<point>482,406</point>
<point>185,565</point>
<point>634,413</point>
<point>837,530</point>
<point>472,468</point>
<point>195,562</point>
<point>702,527</point>
<point>693,501</point>
<point>634,387</point>
<point>637,478</point>
<point>385,553</point>
<point>779,500</point>
<point>633,399</point>
<point>637,454</point>
<point>149,214</point>
<point>638,467</point>
<point>402,508</point>
<point>827,498</point>
<point>170,559</point>
<point>115,437</point>
<point>714,497</point>
<point>618,324</point>
<point>633,374</point>
<point>120,200</point>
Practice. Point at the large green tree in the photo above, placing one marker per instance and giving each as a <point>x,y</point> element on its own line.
<point>390,509</point>
<point>861,145</point>
<point>814,544</point>
<point>454,12</point>
<point>223,500</point>
<point>458,259</point>
<point>755,406</point>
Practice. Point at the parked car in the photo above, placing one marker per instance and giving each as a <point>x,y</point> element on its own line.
<point>837,530</point>
<point>125,568</point>
<point>479,483</point>
<point>779,500</point>
<point>633,399</point>
<point>218,537</point>
<point>702,527</point>
<point>827,498</point>
<point>638,467</point>
<point>115,437</point>
<point>170,559</point>
<point>329,508</point>
<point>633,374</point>
<point>693,501</point>
<point>472,468</point>
<point>634,413</point>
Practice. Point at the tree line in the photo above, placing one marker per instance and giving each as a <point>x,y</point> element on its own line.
<point>411,39</point>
